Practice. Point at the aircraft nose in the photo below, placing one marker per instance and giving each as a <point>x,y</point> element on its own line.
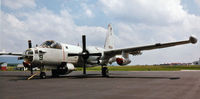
<point>28,55</point>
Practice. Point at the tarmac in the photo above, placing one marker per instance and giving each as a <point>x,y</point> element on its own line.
<point>120,85</point>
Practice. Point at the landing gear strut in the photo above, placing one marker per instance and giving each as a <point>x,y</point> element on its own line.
<point>42,73</point>
<point>104,71</point>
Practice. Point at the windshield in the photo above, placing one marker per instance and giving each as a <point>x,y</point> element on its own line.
<point>51,44</point>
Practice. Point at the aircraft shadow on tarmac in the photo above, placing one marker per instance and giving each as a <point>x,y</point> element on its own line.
<point>118,76</point>
<point>121,76</point>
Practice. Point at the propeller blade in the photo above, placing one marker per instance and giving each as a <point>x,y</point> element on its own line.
<point>84,43</point>
<point>31,69</point>
<point>81,54</point>
<point>84,66</point>
<point>29,44</point>
<point>74,54</point>
<point>95,54</point>
<point>20,58</point>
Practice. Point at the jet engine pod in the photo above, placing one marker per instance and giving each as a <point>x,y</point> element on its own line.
<point>122,61</point>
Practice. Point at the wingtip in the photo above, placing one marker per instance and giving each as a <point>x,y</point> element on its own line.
<point>193,40</point>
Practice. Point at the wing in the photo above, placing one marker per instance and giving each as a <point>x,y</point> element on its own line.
<point>11,53</point>
<point>137,50</point>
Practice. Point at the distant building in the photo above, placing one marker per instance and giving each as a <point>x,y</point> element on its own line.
<point>196,62</point>
<point>177,64</point>
<point>3,66</point>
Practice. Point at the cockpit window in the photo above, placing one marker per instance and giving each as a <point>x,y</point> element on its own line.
<point>51,44</point>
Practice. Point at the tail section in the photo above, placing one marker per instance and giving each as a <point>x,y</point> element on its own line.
<point>109,43</point>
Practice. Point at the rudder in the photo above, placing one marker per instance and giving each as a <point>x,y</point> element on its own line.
<point>109,43</point>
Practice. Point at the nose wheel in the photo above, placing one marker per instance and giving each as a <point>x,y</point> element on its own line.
<point>105,71</point>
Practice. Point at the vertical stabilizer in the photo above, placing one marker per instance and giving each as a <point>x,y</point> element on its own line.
<point>109,43</point>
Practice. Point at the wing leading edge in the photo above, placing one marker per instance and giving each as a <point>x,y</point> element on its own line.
<point>11,53</point>
<point>137,50</point>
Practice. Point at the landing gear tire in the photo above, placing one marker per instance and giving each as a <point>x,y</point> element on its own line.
<point>105,72</point>
<point>43,75</point>
<point>54,73</point>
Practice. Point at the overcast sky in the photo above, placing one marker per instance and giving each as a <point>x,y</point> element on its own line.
<point>135,23</point>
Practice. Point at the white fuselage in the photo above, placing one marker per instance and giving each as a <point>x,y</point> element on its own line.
<point>52,57</point>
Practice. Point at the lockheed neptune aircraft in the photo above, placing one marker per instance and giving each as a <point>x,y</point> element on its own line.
<point>63,58</point>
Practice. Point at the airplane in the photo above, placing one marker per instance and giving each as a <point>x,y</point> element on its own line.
<point>62,58</point>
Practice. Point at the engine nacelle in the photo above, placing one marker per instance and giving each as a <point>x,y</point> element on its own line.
<point>70,67</point>
<point>122,61</point>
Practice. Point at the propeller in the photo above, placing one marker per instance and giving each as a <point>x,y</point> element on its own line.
<point>30,46</point>
<point>84,54</point>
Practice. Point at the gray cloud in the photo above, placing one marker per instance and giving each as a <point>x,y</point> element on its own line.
<point>161,12</point>
<point>44,25</point>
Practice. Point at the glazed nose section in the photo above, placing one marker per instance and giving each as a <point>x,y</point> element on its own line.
<point>28,55</point>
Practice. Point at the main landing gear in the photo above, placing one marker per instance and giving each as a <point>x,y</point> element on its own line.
<point>42,73</point>
<point>105,71</point>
